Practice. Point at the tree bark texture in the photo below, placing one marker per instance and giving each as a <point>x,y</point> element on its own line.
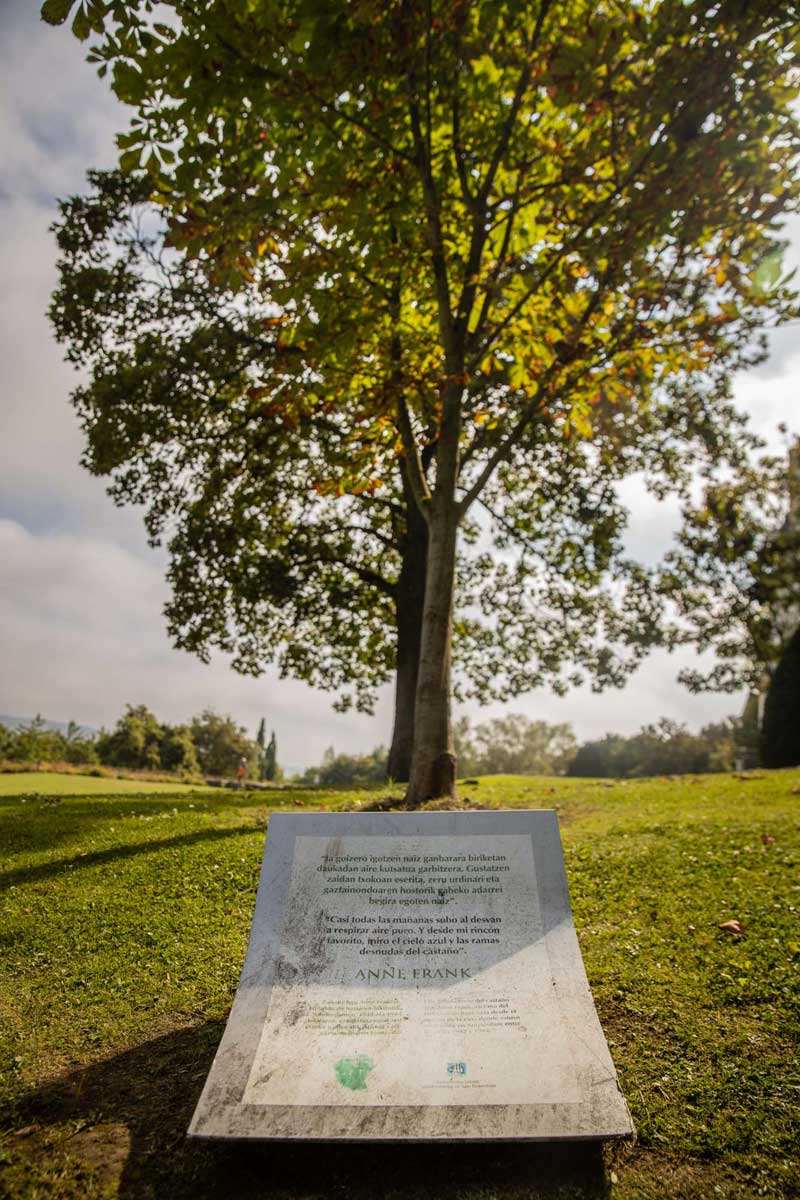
<point>409,610</point>
<point>433,771</point>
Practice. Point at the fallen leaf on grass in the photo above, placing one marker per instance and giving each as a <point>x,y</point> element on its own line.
<point>733,927</point>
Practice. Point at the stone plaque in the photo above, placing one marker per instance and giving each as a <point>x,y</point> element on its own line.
<point>413,977</point>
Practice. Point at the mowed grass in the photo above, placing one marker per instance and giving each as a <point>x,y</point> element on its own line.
<point>124,926</point>
<point>52,783</point>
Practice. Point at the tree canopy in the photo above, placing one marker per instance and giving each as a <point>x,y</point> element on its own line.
<point>220,744</point>
<point>733,575</point>
<point>268,569</point>
<point>484,223</point>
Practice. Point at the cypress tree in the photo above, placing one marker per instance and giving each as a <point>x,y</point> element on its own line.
<point>271,759</point>
<point>261,738</point>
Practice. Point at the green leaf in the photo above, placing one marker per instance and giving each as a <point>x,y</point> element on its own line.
<point>81,26</point>
<point>55,12</point>
<point>768,272</point>
<point>129,161</point>
<point>129,83</point>
<point>134,137</point>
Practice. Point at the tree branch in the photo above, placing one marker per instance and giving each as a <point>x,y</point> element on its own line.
<point>433,217</point>
<point>519,93</point>
<point>305,89</point>
<point>501,453</point>
<point>479,225</point>
<point>416,474</point>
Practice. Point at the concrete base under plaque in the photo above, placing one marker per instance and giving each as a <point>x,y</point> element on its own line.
<point>413,977</point>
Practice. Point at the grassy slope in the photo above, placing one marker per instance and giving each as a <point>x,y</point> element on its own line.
<point>124,926</point>
<point>51,783</point>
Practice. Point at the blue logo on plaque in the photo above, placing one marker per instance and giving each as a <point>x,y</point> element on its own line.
<point>456,1068</point>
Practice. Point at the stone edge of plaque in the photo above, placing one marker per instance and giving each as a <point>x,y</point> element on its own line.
<point>219,1115</point>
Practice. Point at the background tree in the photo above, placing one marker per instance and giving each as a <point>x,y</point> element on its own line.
<point>535,240</point>
<point>261,742</point>
<point>140,741</point>
<point>598,759</point>
<point>348,770</point>
<point>734,576</point>
<point>79,747</point>
<point>220,744</point>
<point>780,738</point>
<point>513,745</point>
<point>177,750</point>
<point>40,741</point>
<point>7,742</point>
<point>36,741</point>
<point>665,748</point>
<point>272,772</point>
<point>134,742</point>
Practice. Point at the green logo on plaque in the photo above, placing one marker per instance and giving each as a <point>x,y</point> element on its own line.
<point>352,1072</point>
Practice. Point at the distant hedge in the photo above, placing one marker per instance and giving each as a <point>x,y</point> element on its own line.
<point>780,730</point>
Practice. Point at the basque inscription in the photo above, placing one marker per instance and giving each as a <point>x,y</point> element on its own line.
<point>426,961</point>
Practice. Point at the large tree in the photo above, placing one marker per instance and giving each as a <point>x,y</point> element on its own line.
<point>197,410</point>
<point>549,213</point>
<point>272,565</point>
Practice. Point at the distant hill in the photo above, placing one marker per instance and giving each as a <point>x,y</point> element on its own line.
<point>57,726</point>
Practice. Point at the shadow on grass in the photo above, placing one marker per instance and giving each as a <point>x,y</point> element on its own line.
<point>38,823</point>
<point>62,866</point>
<point>132,1112</point>
<point>45,824</point>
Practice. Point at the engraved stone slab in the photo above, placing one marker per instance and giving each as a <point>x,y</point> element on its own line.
<point>413,977</point>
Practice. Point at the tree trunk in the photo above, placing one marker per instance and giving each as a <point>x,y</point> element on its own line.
<point>409,609</point>
<point>433,770</point>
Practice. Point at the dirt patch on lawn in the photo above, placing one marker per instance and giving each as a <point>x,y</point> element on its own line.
<point>399,804</point>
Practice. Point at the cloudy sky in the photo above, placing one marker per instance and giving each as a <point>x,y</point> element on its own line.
<point>81,593</point>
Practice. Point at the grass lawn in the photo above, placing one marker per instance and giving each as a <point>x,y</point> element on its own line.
<point>124,924</point>
<point>35,784</point>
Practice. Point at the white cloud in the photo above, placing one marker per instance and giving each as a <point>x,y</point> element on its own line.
<point>84,635</point>
<point>56,116</point>
<point>650,694</point>
<point>88,637</point>
<point>56,119</point>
